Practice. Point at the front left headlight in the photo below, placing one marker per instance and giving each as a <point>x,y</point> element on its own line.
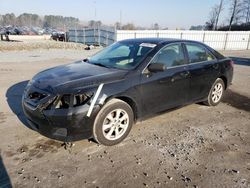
<point>81,99</point>
<point>69,100</point>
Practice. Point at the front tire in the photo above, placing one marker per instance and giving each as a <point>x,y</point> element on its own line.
<point>113,123</point>
<point>216,93</point>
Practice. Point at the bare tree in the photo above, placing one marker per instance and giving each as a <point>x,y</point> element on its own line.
<point>214,15</point>
<point>129,26</point>
<point>93,23</point>
<point>8,19</point>
<point>156,26</point>
<point>235,12</point>
<point>118,25</point>
<point>246,10</point>
<point>210,24</point>
<point>27,19</point>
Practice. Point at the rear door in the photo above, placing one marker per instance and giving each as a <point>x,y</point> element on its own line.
<point>164,90</point>
<point>203,68</point>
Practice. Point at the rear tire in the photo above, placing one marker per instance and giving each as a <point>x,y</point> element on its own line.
<point>113,123</point>
<point>216,93</point>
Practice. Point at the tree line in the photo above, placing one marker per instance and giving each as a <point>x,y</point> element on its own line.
<point>238,15</point>
<point>54,21</point>
<point>34,20</point>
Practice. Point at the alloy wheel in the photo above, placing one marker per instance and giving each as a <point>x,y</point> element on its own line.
<point>115,124</point>
<point>217,92</point>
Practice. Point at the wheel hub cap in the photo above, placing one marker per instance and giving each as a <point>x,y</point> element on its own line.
<point>115,124</point>
<point>217,92</point>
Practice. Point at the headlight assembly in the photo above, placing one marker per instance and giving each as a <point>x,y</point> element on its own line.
<point>48,104</point>
<point>81,99</point>
<point>69,100</point>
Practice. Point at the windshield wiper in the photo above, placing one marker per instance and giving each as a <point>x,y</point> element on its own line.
<point>101,65</point>
<point>98,64</point>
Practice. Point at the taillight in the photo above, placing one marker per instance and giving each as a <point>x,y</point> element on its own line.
<point>232,63</point>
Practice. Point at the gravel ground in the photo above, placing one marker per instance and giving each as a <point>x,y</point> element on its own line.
<point>38,45</point>
<point>194,146</point>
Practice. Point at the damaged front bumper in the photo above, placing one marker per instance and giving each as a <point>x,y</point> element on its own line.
<point>69,124</point>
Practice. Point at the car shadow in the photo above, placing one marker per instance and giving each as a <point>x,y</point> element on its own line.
<point>4,177</point>
<point>241,61</point>
<point>237,100</point>
<point>14,100</point>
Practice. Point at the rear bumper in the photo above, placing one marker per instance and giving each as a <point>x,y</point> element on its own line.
<point>61,124</point>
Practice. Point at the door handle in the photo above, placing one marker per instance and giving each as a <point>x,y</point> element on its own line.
<point>180,76</point>
<point>185,74</point>
<point>216,66</point>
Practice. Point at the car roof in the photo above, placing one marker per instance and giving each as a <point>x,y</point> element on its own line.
<point>157,40</point>
<point>165,41</point>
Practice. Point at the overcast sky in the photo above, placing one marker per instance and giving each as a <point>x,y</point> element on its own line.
<point>167,13</point>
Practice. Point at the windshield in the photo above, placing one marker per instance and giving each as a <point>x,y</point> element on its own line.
<point>122,55</point>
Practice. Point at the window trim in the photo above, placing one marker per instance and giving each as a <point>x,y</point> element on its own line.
<point>165,46</point>
<point>199,45</point>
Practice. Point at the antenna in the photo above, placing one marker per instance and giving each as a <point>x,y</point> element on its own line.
<point>95,9</point>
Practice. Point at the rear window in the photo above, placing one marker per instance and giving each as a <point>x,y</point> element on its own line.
<point>197,54</point>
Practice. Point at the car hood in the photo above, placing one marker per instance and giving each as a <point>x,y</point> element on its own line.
<point>74,77</point>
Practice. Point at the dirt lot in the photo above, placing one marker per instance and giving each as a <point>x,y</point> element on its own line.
<point>194,146</point>
<point>20,42</point>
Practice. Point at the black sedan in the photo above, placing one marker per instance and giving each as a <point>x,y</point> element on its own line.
<point>103,96</point>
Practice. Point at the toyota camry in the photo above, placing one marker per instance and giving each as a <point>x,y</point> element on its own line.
<point>102,96</point>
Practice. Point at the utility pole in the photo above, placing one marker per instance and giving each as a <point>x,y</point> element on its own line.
<point>248,11</point>
<point>95,24</point>
<point>120,17</point>
<point>218,14</point>
<point>95,10</point>
<point>1,19</point>
<point>235,5</point>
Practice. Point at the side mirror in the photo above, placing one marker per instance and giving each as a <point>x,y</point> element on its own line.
<point>156,67</point>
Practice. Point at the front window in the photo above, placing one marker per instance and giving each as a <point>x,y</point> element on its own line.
<point>122,55</point>
<point>170,56</point>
